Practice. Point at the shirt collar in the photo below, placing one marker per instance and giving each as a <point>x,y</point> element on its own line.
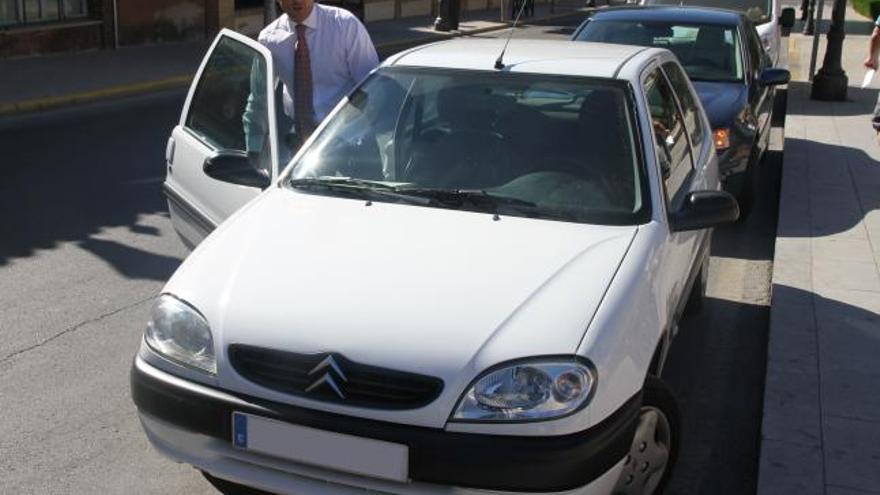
<point>310,22</point>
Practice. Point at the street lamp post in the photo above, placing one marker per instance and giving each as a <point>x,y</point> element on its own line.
<point>830,82</point>
<point>447,17</point>
<point>808,16</point>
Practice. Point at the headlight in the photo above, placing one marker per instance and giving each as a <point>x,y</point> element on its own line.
<point>178,332</point>
<point>528,391</point>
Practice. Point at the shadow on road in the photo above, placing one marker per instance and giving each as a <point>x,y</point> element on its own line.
<point>753,237</point>
<point>832,168</point>
<point>130,261</point>
<point>748,239</point>
<point>716,369</point>
<point>859,101</point>
<point>66,177</point>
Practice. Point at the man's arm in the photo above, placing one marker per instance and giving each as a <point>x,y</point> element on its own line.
<point>361,57</point>
<point>255,112</point>
<point>873,48</point>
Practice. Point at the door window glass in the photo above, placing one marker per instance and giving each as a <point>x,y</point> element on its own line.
<point>670,134</point>
<point>689,106</point>
<point>756,51</point>
<point>229,109</point>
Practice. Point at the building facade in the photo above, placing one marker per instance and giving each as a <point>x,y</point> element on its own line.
<point>35,27</point>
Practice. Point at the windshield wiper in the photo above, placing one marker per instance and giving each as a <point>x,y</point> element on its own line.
<point>479,198</point>
<point>359,187</point>
<point>475,197</point>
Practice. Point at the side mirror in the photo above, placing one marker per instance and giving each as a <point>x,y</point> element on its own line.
<point>774,77</point>
<point>786,20</point>
<point>235,167</point>
<point>704,209</point>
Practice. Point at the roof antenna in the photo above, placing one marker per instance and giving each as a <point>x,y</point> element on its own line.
<point>499,64</point>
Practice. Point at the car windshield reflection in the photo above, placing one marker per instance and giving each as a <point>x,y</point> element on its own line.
<point>556,148</point>
<point>707,52</point>
<point>758,11</point>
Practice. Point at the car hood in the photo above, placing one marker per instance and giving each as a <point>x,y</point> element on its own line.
<point>432,291</point>
<point>722,101</point>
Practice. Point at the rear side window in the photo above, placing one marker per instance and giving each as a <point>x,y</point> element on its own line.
<point>689,107</point>
<point>670,134</point>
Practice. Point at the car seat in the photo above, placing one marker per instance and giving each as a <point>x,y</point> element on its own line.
<point>711,50</point>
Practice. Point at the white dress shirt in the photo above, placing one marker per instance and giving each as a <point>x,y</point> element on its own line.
<point>341,54</point>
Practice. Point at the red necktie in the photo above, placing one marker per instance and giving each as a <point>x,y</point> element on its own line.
<point>303,107</point>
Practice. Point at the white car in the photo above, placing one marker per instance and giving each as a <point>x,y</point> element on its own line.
<point>768,15</point>
<point>465,282</point>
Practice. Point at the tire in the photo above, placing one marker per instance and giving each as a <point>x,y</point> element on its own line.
<point>660,408</point>
<point>230,488</point>
<point>745,188</point>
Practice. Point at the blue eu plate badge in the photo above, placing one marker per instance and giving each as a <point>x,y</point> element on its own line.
<point>239,430</point>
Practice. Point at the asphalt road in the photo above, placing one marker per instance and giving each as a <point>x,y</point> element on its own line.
<point>85,244</point>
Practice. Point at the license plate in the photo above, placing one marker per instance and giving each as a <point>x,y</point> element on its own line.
<point>363,456</point>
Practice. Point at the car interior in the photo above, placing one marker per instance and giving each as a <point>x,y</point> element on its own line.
<point>562,146</point>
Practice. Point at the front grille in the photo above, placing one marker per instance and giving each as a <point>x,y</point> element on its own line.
<point>333,378</point>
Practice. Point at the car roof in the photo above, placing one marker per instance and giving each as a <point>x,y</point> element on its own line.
<point>554,57</point>
<point>671,13</point>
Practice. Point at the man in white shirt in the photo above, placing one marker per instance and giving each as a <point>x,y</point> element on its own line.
<point>320,53</point>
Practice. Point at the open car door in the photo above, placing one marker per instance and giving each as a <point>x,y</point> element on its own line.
<point>224,150</point>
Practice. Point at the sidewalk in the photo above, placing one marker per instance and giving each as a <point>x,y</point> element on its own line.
<point>50,81</point>
<point>821,425</point>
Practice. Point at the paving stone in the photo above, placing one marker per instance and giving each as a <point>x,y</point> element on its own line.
<point>849,331</point>
<point>830,198</point>
<point>848,391</point>
<point>787,468</point>
<point>792,344</point>
<point>796,273</point>
<point>843,249</point>
<point>791,406</point>
<point>852,453</point>
<point>840,490</point>
<point>836,274</point>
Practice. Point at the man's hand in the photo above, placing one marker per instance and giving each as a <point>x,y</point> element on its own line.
<point>871,63</point>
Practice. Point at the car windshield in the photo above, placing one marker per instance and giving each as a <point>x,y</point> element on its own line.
<point>707,53</point>
<point>538,146</point>
<point>758,11</point>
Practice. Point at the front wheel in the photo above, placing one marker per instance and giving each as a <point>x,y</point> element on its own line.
<point>655,445</point>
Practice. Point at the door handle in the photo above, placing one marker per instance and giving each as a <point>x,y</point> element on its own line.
<point>169,151</point>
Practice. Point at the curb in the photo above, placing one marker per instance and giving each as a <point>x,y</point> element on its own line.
<point>183,80</point>
<point>52,102</point>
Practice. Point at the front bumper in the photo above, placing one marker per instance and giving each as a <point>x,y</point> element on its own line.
<point>192,423</point>
<point>734,161</point>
